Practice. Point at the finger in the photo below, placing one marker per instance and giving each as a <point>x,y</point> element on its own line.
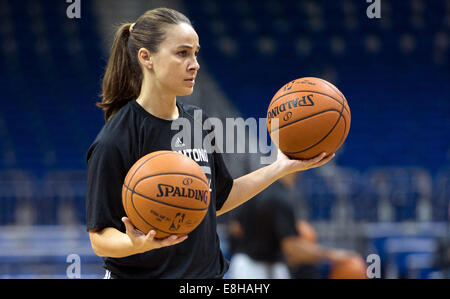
<point>128,225</point>
<point>179,239</point>
<point>317,158</point>
<point>162,242</point>
<point>130,228</point>
<point>151,235</point>
<point>325,160</point>
<point>171,240</point>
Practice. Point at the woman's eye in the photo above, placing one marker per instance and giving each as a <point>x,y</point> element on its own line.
<point>182,53</point>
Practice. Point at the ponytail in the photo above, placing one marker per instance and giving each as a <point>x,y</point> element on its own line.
<point>122,79</point>
<point>123,76</point>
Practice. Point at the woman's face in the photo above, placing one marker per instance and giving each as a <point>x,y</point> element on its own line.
<point>175,66</point>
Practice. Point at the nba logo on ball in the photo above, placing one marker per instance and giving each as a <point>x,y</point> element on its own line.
<point>177,221</point>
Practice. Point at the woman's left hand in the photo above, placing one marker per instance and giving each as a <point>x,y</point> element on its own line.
<point>289,165</point>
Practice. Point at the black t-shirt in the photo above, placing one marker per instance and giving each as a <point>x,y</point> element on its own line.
<point>266,220</point>
<point>130,134</point>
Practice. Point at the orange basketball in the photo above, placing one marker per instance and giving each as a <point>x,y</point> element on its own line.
<point>308,116</point>
<point>352,267</point>
<point>167,192</point>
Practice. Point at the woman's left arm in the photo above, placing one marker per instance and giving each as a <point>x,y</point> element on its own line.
<point>249,185</point>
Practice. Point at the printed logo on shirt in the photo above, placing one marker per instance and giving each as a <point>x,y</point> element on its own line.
<point>196,154</point>
<point>199,155</point>
<point>179,142</point>
<point>208,134</point>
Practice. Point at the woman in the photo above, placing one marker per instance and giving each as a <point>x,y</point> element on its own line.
<point>152,62</point>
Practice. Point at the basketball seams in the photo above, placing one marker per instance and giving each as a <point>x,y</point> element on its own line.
<point>125,183</point>
<point>144,162</point>
<point>344,133</point>
<point>335,125</point>
<point>133,191</point>
<point>137,202</point>
<point>167,173</point>
<point>320,141</point>
<point>172,173</point>
<point>344,102</point>
<point>326,135</point>
<point>309,116</point>
<point>321,93</point>
<point>330,141</point>
<point>334,89</point>
<point>124,198</point>
<point>143,219</point>
<point>130,185</point>
<point>339,93</point>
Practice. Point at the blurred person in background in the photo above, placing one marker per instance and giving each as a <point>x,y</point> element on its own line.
<point>269,242</point>
<point>441,256</point>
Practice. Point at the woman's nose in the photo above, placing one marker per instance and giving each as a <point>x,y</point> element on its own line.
<point>194,66</point>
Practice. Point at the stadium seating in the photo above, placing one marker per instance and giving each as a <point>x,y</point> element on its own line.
<point>440,199</point>
<point>57,126</point>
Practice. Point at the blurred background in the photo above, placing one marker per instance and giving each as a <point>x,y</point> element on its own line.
<point>387,192</point>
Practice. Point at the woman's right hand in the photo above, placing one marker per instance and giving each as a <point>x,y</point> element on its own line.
<point>145,242</point>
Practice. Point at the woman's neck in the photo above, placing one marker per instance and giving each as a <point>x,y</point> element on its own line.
<point>158,104</point>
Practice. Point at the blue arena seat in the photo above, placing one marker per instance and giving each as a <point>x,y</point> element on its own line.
<point>441,196</point>
<point>403,188</point>
<point>18,189</point>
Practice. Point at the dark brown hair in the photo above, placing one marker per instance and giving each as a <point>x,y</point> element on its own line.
<point>123,76</point>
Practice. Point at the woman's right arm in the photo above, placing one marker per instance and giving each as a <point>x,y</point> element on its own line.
<point>110,242</point>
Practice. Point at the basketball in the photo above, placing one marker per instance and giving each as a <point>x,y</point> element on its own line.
<point>352,267</point>
<point>167,192</point>
<point>308,116</point>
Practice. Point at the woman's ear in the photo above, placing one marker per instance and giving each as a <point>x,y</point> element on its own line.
<point>145,58</point>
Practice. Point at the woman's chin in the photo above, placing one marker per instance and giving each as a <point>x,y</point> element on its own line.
<point>186,92</point>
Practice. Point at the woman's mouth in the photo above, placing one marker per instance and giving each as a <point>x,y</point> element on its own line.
<point>190,80</point>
